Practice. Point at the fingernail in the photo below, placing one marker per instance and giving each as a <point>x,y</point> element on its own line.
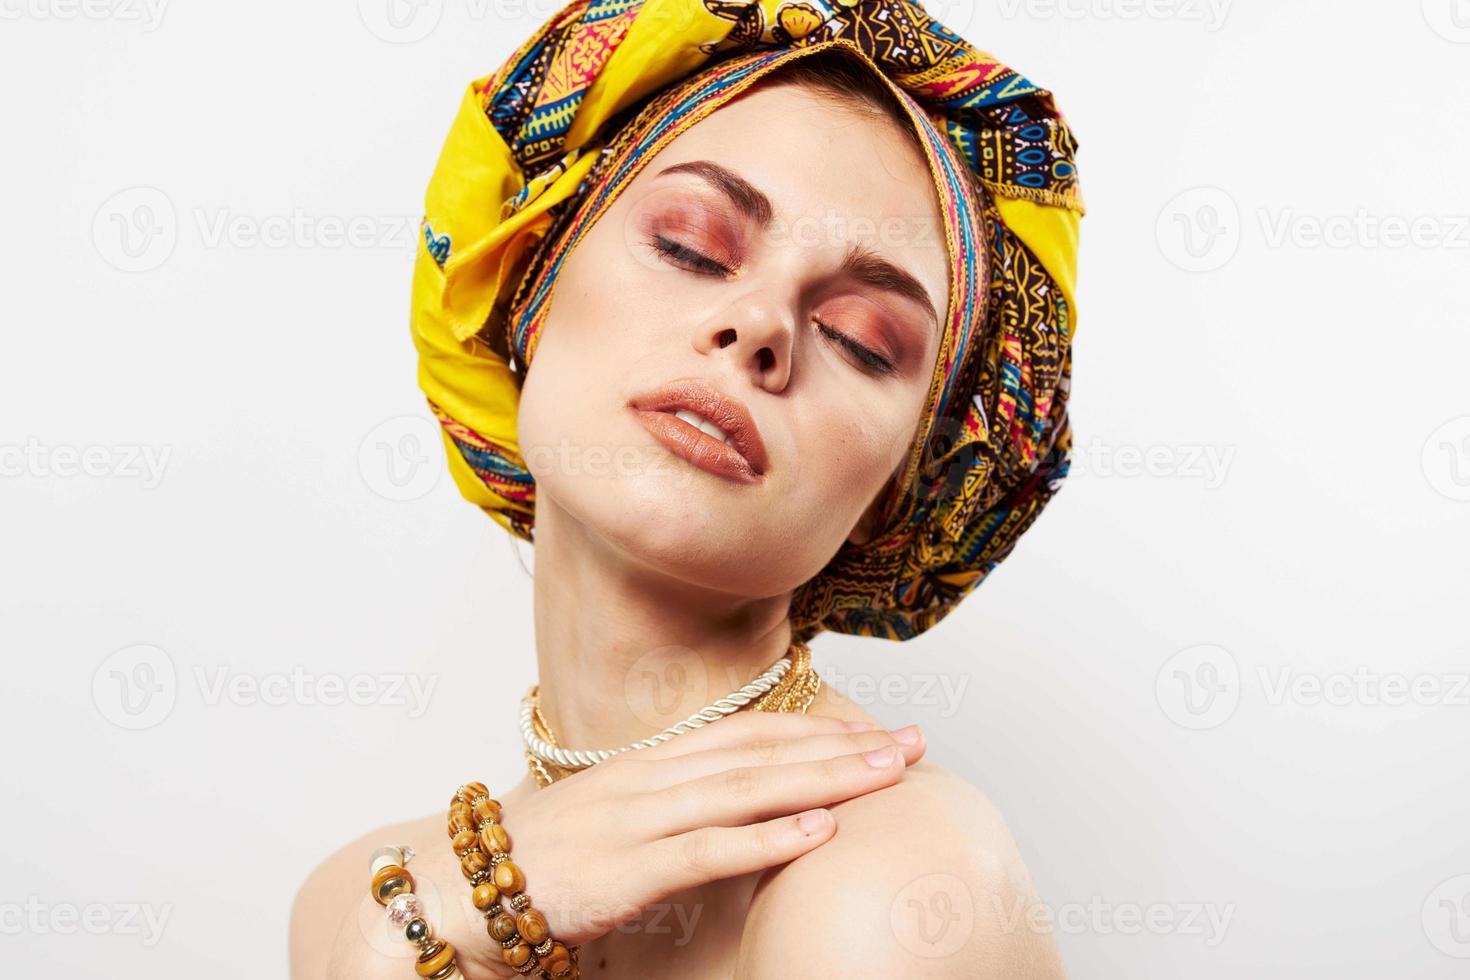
<point>908,735</point>
<point>812,821</point>
<point>856,726</point>
<point>880,758</point>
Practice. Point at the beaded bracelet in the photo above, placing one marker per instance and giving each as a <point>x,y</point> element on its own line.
<point>483,847</point>
<point>393,889</point>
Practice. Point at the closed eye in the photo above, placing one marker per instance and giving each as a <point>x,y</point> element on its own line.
<point>869,357</point>
<point>683,254</point>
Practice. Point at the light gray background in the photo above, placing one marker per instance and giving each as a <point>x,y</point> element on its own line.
<point>1219,691</point>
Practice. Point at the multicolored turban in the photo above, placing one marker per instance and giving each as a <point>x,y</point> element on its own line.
<point>542,147</point>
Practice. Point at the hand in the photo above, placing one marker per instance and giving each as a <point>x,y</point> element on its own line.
<point>738,796</point>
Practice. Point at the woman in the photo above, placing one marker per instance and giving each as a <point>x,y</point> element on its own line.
<point>796,284</point>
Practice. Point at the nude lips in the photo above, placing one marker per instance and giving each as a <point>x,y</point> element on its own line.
<point>740,457</point>
<point>699,448</point>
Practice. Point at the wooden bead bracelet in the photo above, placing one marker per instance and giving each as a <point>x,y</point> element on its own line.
<point>392,888</point>
<point>499,892</point>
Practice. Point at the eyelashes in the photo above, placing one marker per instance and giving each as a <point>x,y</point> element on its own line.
<point>702,264</point>
<point>683,253</point>
<point>872,359</point>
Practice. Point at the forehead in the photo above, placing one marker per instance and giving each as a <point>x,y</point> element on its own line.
<point>835,175</point>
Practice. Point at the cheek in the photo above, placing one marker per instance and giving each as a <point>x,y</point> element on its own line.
<point>848,458</point>
<point>555,381</point>
<point>609,294</point>
<point>601,323</point>
<point>593,319</point>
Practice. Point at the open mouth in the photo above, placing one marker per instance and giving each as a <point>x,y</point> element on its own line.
<point>702,424</point>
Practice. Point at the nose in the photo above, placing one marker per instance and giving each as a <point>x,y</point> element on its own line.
<point>757,332</point>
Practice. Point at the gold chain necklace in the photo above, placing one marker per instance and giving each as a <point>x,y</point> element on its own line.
<point>794,692</point>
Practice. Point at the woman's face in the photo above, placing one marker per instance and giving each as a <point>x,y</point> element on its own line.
<point>793,258</point>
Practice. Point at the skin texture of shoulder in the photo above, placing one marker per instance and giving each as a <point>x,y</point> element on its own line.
<point>923,879</point>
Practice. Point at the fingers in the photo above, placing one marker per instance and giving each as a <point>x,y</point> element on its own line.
<point>773,751</point>
<point>739,728</point>
<point>710,853</point>
<point>736,797</point>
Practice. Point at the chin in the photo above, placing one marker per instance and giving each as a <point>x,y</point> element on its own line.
<point>689,532</point>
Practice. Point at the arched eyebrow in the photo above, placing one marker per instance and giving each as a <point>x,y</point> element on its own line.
<point>860,263</point>
<point>871,268</point>
<point>747,198</point>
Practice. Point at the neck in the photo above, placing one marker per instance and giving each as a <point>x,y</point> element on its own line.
<point>624,650</point>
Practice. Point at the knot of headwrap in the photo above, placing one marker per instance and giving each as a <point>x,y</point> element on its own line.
<point>540,149</point>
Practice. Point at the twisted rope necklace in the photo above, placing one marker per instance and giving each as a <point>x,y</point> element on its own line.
<point>790,684</point>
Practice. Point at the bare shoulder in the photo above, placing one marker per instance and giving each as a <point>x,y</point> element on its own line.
<point>922,878</point>
<point>330,900</point>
